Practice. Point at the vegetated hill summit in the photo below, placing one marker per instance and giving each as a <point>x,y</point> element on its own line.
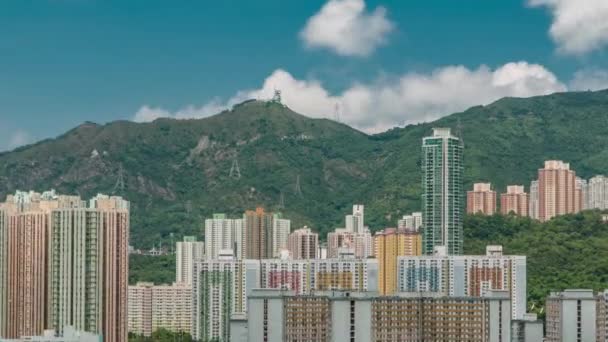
<point>177,172</point>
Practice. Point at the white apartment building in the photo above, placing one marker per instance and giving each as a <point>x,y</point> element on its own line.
<point>412,221</point>
<point>356,222</point>
<point>466,275</point>
<point>281,228</point>
<point>222,233</point>
<point>598,193</point>
<point>186,253</point>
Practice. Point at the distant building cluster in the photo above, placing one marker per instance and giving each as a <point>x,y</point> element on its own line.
<point>64,267</point>
<point>557,191</point>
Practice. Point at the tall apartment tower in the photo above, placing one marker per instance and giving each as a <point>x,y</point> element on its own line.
<point>186,253</point>
<point>303,244</point>
<point>515,201</point>
<point>390,244</point>
<point>280,231</point>
<point>24,229</point>
<point>356,222</point>
<point>597,188</point>
<point>533,202</point>
<point>258,232</point>
<point>581,194</point>
<point>442,194</point>
<point>482,199</point>
<point>88,267</point>
<point>556,190</point>
<point>222,233</point>
<point>571,315</point>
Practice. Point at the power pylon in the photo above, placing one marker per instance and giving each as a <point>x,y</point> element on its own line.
<point>235,171</point>
<point>120,182</point>
<point>298,189</point>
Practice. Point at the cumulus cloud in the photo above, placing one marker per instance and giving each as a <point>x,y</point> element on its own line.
<point>148,113</point>
<point>411,98</point>
<point>579,26</point>
<point>590,79</point>
<point>345,27</point>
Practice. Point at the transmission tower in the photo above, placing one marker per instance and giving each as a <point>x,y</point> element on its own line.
<point>337,112</point>
<point>235,171</point>
<point>282,201</point>
<point>298,190</point>
<point>459,131</point>
<point>120,182</point>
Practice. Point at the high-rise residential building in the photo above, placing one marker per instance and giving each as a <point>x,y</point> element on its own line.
<point>186,253</point>
<point>356,222</point>
<point>258,232</point>
<point>390,244</point>
<point>221,234</point>
<point>466,275</point>
<point>362,244</point>
<point>602,316</point>
<point>306,276</point>
<point>581,194</point>
<point>597,193</point>
<point>482,199</point>
<point>412,221</point>
<point>442,192</point>
<point>220,290</point>
<point>533,203</point>
<point>556,190</point>
<point>336,316</point>
<point>25,226</point>
<point>88,268</point>
<point>303,244</point>
<point>515,201</point>
<point>571,315</point>
<point>163,306</point>
<point>280,231</point>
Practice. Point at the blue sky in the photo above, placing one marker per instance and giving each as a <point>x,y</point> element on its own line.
<point>384,63</point>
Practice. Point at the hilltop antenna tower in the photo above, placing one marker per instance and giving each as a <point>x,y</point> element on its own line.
<point>120,182</point>
<point>235,171</point>
<point>277,96</point>
<point>298,189</point>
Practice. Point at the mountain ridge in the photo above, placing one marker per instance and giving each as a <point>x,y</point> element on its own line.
<point>176,172</point>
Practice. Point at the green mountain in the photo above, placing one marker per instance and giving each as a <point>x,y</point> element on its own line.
<point>177,172</point>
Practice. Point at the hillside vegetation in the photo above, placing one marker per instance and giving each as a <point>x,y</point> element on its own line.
<point>177,172</point>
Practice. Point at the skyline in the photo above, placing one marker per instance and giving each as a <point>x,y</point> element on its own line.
<point>77,61</point>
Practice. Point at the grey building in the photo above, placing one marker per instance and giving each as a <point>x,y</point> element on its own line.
<point>336,316</point>
<point>527,329</point>
<point>571,316</point>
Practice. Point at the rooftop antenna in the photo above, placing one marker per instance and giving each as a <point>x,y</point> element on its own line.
<point>120,182</point>
<point>235,171</point>
<point>298,190</point>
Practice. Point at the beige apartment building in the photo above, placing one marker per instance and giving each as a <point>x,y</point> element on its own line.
<point>515,201</point>
<point>303,244</point>
<point>557,194</point>
<point>162,306</point>
<point>482,199</point>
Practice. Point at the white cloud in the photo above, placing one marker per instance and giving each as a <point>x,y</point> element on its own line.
<point>345,27</point>
<point>147,113</point>
<point>590,79</point>
<point>579,26</point>
<point>19,138</point>
<point>411,98</point>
